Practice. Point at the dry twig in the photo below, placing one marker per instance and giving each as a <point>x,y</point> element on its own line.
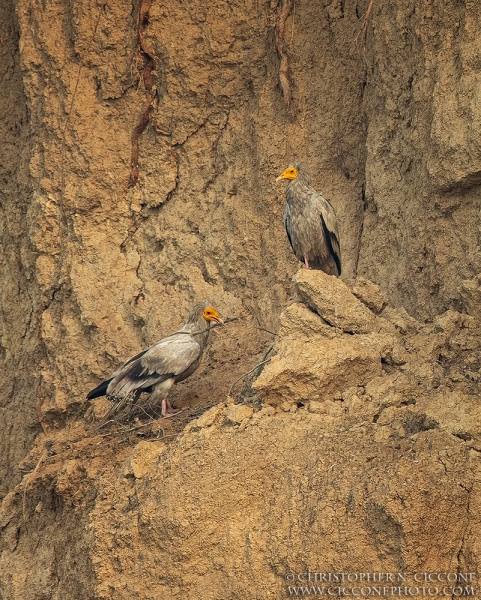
<point>248,373</point>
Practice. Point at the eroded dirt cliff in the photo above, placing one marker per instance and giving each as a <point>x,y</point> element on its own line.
<point>358,454</point>
<point>365,453</point>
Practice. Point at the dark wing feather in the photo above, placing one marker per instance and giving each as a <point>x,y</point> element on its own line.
<point>329,226</point>
<point>332,242</point>
<point>100,390</point>
<point>288,224</point>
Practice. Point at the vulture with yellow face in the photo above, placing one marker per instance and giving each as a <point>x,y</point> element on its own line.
<point>310,222</point>
<point>156,369</point>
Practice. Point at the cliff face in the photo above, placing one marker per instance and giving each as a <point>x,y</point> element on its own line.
<point>138,164</point>
<point>423,160</point>
<point>365,448</point>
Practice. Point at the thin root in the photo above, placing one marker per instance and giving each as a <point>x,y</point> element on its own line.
<point>361,36</point>
<point>281,47</point>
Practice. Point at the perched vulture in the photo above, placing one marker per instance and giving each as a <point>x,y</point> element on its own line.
<point>156,369</point>
<point>310,222</point>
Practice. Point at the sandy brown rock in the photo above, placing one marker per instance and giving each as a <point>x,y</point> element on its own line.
<point>143,459</point>
<point>315,368</point>
<point>314,361</point>
<point>419,244</point>
<point>330,298</point>
<point>345,481</point>
<point>401,320</point>
<point>368,293</point>
<point>238,412</point>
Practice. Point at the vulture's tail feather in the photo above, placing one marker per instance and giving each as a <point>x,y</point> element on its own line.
<point>100,390</point>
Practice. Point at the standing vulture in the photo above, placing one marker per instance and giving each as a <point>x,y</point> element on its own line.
<point>156,369</point>
<point>310,222</point>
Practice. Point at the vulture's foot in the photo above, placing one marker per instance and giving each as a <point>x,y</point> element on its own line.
<point>168,411</point>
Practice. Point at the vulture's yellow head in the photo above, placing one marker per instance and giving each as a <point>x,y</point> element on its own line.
<point>290,173</point>
<point>210,314</point>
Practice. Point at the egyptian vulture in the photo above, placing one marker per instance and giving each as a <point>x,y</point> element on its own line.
<point>310,222</point>
<point>156,369</point>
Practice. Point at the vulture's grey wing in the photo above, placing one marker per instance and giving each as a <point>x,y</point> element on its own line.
<point>331,232</point>
<point>105,387</point>
<point>131,360</point>
<point>168,358</point>
<point>172,355</point>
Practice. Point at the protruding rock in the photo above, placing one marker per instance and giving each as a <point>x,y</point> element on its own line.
<point>144,458</point>
<point>402,320</point>
<point>316,368</point>
<point>299,319</point>
<point>207,419</point>
<point>236,413</point>
<point>332,300</point>
<point>368,293</point>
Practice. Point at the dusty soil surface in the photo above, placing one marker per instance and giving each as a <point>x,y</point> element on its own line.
<point>363,465</point>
